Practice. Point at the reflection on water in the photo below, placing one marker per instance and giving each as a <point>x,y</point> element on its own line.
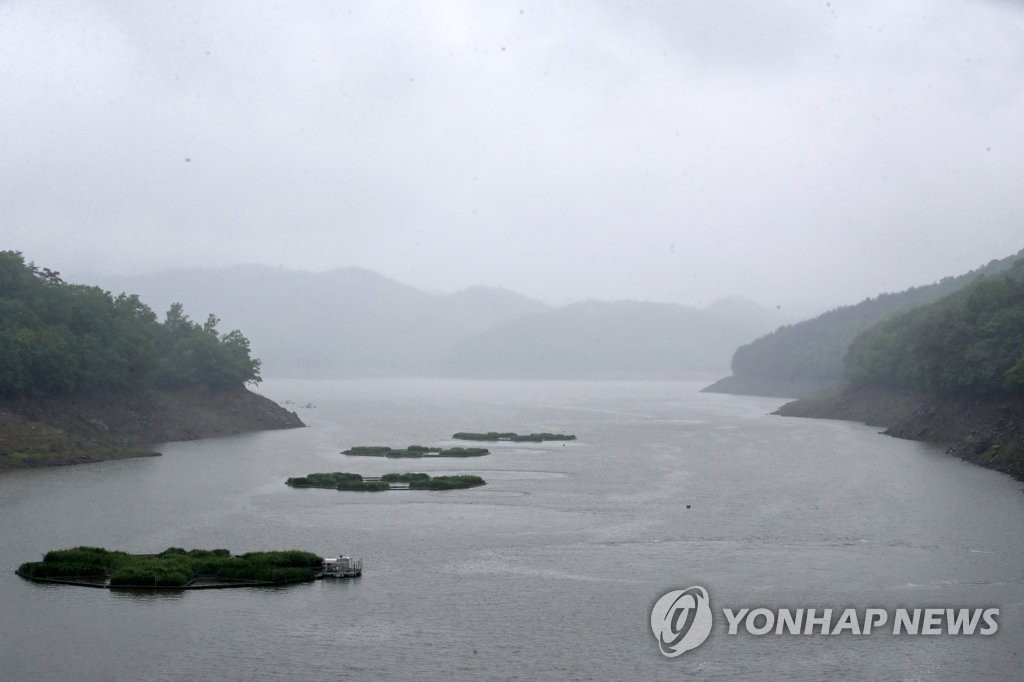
<point>146,595</point>
<point>549,571</point>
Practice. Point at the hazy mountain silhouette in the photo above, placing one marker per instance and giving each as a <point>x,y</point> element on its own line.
<point>354,322</point>
<point>343,322</point>
<point>600,338</point>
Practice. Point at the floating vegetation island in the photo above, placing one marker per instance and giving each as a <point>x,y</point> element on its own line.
<point>414,451</point>
<point>513,437</point>
<point>340,480</point>
<point>172,568</point>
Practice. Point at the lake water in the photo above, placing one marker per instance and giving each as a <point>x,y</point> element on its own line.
<point>549,571</point>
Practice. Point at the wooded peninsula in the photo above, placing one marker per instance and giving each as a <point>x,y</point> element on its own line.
<point>941,363</point>
<point>86,375</point>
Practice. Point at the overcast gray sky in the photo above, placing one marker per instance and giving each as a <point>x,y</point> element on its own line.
<point>799,153</point>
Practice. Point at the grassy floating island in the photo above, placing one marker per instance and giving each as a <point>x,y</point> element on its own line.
<point>414,451</point>
<point>425,482</point>
<point>174,567</point>
<point>513,437</point>
<point>340,480</point>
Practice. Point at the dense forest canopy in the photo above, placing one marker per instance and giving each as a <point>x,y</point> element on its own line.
<point>969,343</point>
<point>58,338</point>
<point>815,349</point>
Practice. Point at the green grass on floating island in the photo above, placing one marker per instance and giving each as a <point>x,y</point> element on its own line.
<point>414,451</point>
<point>338,480</point>
<point>407,477</point>
<point>513,437</point>
<point>355,482</point>
<point>447,482</point>
<point>174,567</point>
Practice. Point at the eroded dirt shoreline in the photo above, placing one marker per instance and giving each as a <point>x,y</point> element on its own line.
<point>81,429</point>
<point>987,432</point>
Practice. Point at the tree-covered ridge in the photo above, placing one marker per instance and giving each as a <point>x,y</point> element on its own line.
<point>58,338</point>
<point>971,342</point>
<point>815,349</point>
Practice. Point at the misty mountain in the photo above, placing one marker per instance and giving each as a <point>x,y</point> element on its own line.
<point>343,322</point>
<point>617,338</point>
<point>353,322</point>
<point>745,312</point>
<point>801,359</point>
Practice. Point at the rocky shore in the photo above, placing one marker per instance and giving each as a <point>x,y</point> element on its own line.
<point>81,429</point>
<point>987,432</point>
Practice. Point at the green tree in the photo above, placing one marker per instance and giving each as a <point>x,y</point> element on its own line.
<point>58,338</point>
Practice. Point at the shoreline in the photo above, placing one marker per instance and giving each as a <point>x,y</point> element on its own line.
<point>987,432</point>
<point>81,429</point>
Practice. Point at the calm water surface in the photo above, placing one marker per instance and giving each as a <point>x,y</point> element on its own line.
<point>550,570</point>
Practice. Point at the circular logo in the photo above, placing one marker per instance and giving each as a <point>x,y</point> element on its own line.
<point>681,620</point>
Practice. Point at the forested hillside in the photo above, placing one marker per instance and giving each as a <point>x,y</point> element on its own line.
<point>58,339</point>
<point>950,371</point>
<point>968,344</point>
<point>813,351</point>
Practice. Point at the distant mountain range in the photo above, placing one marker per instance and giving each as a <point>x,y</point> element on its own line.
<point>354,322</point>
<point>628,338</point>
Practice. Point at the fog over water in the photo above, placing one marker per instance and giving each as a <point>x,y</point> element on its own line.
<point>665,151</point>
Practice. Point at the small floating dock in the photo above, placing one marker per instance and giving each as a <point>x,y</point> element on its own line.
<point>341,567</point>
